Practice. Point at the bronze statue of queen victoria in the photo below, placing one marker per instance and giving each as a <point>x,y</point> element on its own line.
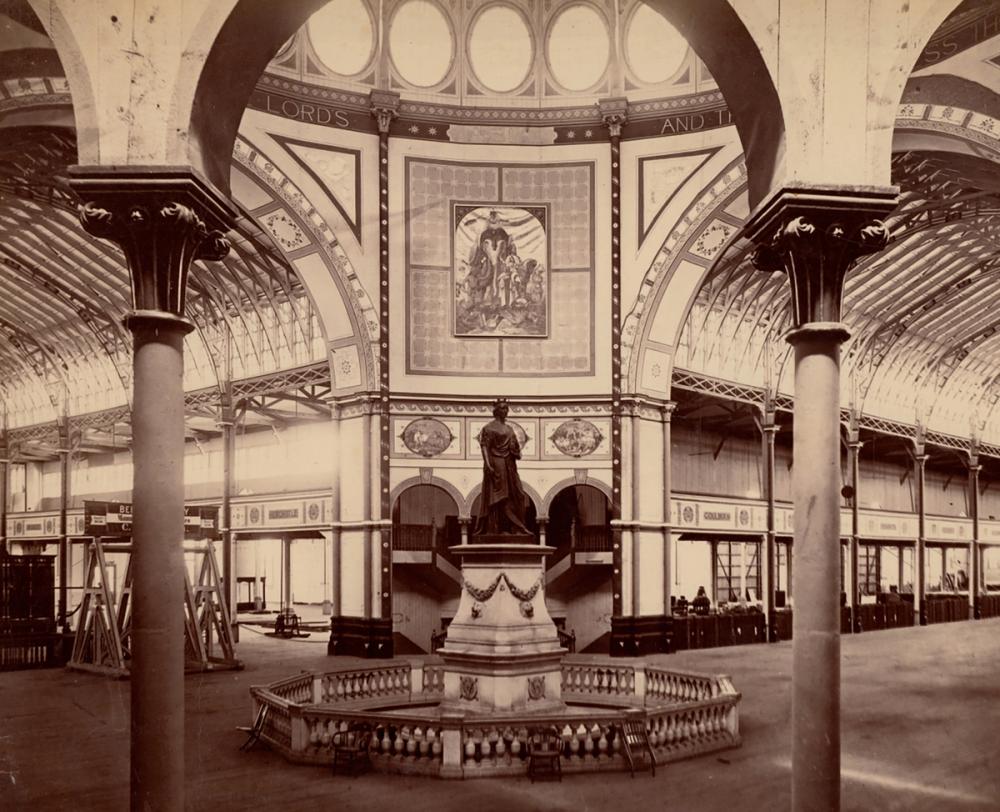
<point>503,503</point>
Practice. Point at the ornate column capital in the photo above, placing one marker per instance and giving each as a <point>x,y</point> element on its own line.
<point>162,218</point>
<point>815,235</point>
<point>385,107</point>
<point>614,114</point>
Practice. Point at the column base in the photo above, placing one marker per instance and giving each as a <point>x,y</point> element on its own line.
<point>368,637</point>
<point>639,636</point>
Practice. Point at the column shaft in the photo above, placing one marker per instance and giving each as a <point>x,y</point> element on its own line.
<point>157,669</point>
<point>770,430</point>
<point>854,449</point>
<point>919,573</point>
<point>974,469</point>
<point>226,510</point>
<point>338,461</point>
<point>65,457</point>
<point>636,508</point>
<point>816,632</point>
<point>286,572</point>
<point>667,518</point>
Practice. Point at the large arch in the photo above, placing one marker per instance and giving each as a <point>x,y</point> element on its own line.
<point>443,484</point>
<point>735,45</point>
<point>563,484</point>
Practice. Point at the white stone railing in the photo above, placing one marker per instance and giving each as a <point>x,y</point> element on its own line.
<point>686,714</point>
<point>378,682</point>
<point>677,686</point>
<point>593,681</point>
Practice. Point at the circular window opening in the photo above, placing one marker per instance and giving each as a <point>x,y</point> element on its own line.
<point>654,49</point>
<point>420,43</point>
<point>578,48</point>
<point>343,36</point>
<point>500,49</point>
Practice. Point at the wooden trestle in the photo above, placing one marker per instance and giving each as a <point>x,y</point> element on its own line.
<point>103,635</point>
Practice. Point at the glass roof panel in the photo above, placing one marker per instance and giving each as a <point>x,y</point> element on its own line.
<point>343,36</point>
<point>420,43</point>
<point>578,47</point>
<point>500,48</point>
<point>654,49</point>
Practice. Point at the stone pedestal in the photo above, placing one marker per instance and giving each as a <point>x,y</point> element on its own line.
<point>502,651</point>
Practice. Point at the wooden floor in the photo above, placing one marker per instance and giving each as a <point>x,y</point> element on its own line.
<point>921,731</point>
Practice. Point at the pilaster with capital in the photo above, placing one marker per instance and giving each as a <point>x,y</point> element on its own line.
<point>614,113</point>
<point>385,108</point>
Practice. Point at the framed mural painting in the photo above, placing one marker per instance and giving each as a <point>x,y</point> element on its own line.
<point>500,270</point>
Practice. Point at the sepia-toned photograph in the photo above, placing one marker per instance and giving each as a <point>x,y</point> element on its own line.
<point>504,405</point>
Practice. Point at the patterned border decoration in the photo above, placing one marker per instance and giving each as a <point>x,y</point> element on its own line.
<point>730,181</point>
<point>360,307</point>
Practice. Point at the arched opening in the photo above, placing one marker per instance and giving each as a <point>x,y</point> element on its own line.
<point>425,517</point>
<point>579,520</point>
<point>425,578</point>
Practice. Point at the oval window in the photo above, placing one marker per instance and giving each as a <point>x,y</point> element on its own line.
<point>500,48</point>
<point>343,36</point>
<point>653,47</point>
<point>420,43</point>
<point>578,48</point>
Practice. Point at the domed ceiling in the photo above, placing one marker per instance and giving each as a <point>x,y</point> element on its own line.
<point>495,52</point>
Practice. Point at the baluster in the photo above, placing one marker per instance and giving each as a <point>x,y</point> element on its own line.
<point>490,745</point>
<point>602,744</point>
<point>501,745</point>
<point>517,745</point>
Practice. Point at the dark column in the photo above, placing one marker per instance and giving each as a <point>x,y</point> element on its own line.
<point>919,574</point>
<point>614,112</point>
<point>4,484</point>
<point>163,218</point>
<point>286,572</point>
<point>65,458</point>
<point>385,106</point>
<point>974,469</point>
<point>814,236</point>
<point>854,445</point>
<point>769,429</point>
<point>227,421</point>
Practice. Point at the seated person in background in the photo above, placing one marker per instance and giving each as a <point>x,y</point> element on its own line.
<point>701,603</point>
<point>681,607</point>
<point>893,596</point>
